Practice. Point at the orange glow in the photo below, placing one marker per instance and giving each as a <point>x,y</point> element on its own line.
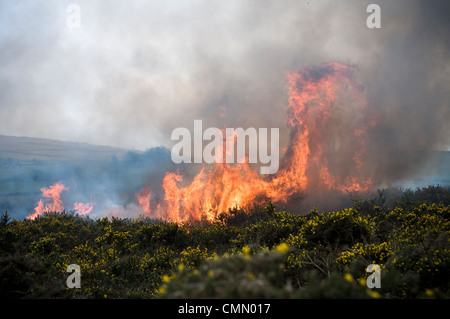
<point>82,208</point>
<point>52,194</point>
<point>53,202</point>
<point>327,115</point>
<point>143,197</point>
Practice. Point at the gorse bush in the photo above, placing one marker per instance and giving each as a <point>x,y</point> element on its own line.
<point>257,253</point>
<point>242,274</point>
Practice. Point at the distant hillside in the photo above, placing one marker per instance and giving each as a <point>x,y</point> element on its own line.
<point>93,173</point>
<point>435,172</point>
<point>29,148</point>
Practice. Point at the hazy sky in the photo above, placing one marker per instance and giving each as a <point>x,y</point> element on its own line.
<point>135,70</point>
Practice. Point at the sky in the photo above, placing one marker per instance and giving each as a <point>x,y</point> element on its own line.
<point>133,71</point>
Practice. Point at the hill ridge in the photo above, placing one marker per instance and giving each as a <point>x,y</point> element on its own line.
<point>29,148</point>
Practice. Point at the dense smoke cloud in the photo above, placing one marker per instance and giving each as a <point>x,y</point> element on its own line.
<point>136,70</point>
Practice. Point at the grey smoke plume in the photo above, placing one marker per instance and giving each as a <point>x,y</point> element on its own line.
<point>136,70</point>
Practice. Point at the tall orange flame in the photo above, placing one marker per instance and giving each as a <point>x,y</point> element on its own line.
<point>327,114</point>
<point>53,202</point>
<point>143,197</point>
<point>52,194</point>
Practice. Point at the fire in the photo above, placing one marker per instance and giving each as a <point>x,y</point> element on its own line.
<point>82,208</point>
<point>53,202</point>
<point>215,189</point>
<point>143,198</point>
<point>328,118</point>
<point>328,110</point>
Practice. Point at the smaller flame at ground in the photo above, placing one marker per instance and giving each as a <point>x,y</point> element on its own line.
<point>52,202</point>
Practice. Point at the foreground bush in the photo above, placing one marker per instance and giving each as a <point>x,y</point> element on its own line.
<point>238,275</point>
<point>258,253</point>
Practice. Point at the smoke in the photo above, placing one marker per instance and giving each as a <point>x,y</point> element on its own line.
<point>92,187</point>
<point>135,71</point>
<point>407,90</point>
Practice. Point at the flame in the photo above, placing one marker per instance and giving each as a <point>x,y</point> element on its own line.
<point>215,189</point>
<point>143,197</point>
<point>330,105</point>
<point>52,194</point>
<point>327,115</point>
<point>82,208</point>
<point>53,202</point>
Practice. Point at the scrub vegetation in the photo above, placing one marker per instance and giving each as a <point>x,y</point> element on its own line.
<point>261,252</point>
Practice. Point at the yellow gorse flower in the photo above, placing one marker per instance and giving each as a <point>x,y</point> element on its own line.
<point>165,278</point>
<point>282,248</point>
<point>429,292</point>
<point>348,277</point>
<point>373,294</point>
<point>161,290</point>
